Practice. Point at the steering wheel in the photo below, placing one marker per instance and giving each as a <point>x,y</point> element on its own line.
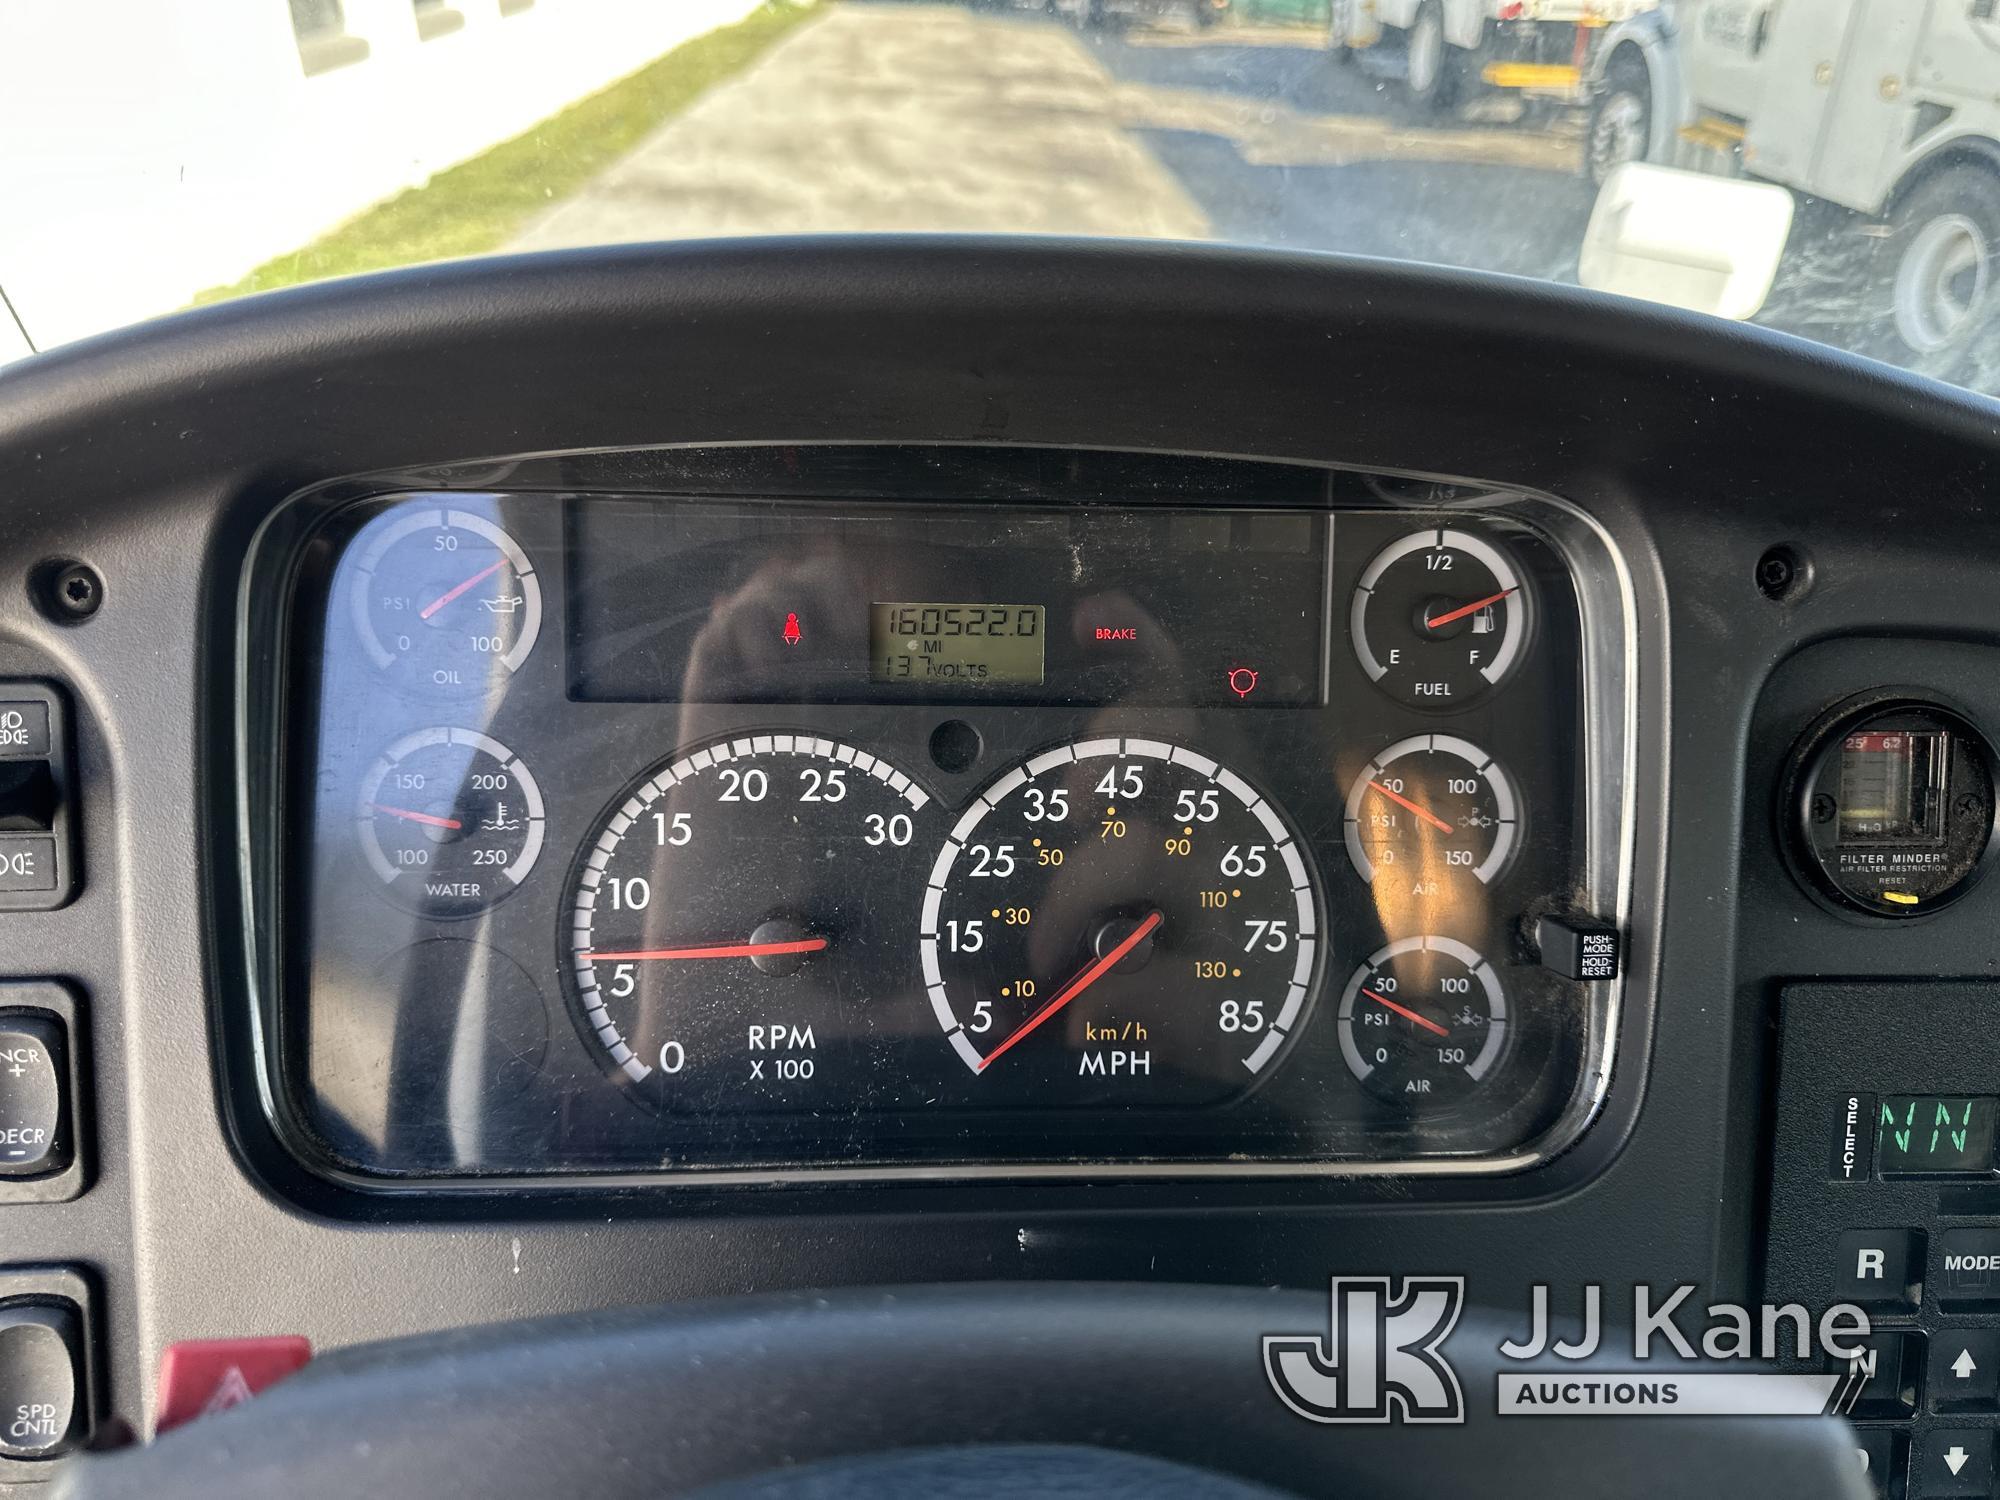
<point>989,1389</point>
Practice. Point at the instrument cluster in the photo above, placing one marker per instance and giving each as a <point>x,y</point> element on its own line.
<point>652,835</point>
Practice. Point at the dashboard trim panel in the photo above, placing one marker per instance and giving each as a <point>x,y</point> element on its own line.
<point>1605,596</point>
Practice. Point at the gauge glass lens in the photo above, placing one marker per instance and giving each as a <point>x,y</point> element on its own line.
<point>1439,618</point>
<point>445,600</point>
<point>1119,921</point>
<point>1896,813</point>
<point>738,920</point>
<point>1429,811</point>
<point>450,821</point>
<point>1423,1022</point>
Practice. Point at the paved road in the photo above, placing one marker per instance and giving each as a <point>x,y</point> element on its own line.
<point>893,117</point>
<point>1281,146</point>
<point>939,116</point>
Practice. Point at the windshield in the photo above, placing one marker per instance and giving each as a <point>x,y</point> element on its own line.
<point>1826,167</point>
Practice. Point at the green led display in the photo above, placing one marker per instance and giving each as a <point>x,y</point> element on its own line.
<point>1920,1133</point>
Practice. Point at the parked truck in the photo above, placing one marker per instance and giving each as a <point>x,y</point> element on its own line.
<point>1543,48</point>
<point>1887,109</point>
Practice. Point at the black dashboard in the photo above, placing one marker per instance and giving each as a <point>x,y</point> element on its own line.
<point>648,774</point>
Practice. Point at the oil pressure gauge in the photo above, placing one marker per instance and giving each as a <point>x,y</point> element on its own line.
<point>1892,809</point>
<point>445,602</point>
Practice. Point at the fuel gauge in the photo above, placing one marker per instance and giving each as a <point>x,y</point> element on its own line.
<point>1439,618</point>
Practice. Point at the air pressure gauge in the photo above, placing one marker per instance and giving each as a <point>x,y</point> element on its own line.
<point>1892,808</point>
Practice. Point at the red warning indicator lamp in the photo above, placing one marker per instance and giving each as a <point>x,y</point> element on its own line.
<point>1242,681</point>
<point>793,635</point>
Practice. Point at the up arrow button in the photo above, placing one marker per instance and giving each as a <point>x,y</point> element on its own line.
<point>1964,1370</point>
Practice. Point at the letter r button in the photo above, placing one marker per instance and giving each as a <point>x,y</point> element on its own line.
<point>1881,1270</point>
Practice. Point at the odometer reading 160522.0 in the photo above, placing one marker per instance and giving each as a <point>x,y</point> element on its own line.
<point>998,645</point>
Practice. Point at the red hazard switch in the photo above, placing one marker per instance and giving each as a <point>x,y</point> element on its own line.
<point>199,1377</point>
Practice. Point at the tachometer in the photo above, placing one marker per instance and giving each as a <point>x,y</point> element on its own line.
<point>738,916</point>
<point>1119,920</point>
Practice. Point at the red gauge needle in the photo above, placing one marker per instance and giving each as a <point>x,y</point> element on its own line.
<point>1423,812</point>
<point>427,819</point>
<point>1467,609</point>
<point>471,583</point>
<point>1075,987</point>
<point>720,950</point>
<point>1406,1013</point>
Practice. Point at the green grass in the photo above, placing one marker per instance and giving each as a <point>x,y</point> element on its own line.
<point>480,204</point>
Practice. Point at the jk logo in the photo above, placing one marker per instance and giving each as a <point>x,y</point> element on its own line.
<point>1380,1360</point>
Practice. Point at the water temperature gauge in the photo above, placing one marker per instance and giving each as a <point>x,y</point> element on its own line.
<point>450,820</point>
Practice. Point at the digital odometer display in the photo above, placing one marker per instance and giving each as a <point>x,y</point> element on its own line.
<point>956,643</point>
<point>710,602</point>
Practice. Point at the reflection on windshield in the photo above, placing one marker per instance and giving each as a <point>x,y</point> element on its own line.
<point>1827,167</point>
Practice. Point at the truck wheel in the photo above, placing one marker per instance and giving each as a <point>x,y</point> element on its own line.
<point>1621,120</point>
<point>1941,263</point>
<point>1430,72</point>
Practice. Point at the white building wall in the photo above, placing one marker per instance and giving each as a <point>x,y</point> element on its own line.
<point>150,149</point>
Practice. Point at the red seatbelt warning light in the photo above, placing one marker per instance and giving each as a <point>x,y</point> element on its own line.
<point>1242,680</point>
<point>793,635</point>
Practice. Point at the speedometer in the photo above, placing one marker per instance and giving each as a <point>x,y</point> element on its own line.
<point>1119,921</point>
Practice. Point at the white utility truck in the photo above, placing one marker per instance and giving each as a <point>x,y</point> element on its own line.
<point>1543,48</point>
<point>1885,108</point>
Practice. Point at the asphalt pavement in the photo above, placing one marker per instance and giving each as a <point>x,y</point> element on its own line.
<point>1294,149</point>
<point>950,117</point>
